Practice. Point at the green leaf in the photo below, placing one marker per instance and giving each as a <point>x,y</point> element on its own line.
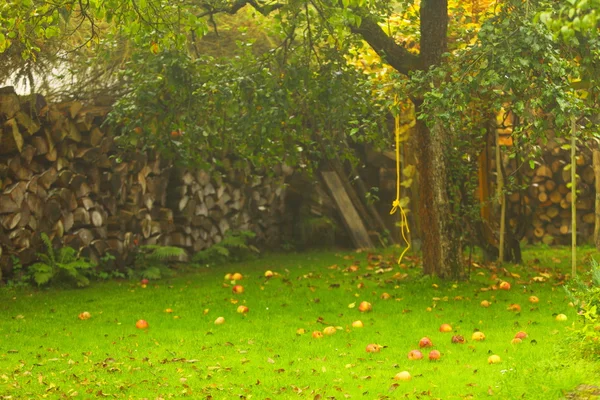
<point>3,43</point>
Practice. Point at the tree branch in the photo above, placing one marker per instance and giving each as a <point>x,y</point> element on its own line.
<point>386,47</point>
<point>264,9</point>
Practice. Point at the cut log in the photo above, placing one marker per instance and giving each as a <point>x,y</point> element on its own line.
<point>9,102</point>
<point>544,171</point>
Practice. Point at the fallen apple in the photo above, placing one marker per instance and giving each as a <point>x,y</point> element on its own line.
<point>237,289</point>
<point>142,324</point>
<point>385,296</point>
<point>485,303</point>
<point>415,355</point>
<point>434,355</point>
<point>521,335</point>
<point>458,339</point>
<point>365,306</point>
<point>504,285</point>
<point>169,310</point>
<point>228,277</point>
<point>445,328</point>
<point>219,321</point>
<point>561,317</point>
<point>144,281</point>
<point>514,307</point>
<point>357,324</point>
<point>236,277</point>
<point>425,342</point>
<point>402,376</point>
<point>373,348</point>
<point>516,341</point>
<point>494,359</point>
<point>300,331</point>
<point>534,299</point>
<point>269,274</point>
<point>84,315</point>
<point>478,336</point>
<point>329,330</point>
<point>317,334</point>
<point>242,309</point>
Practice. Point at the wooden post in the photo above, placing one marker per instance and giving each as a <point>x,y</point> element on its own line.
<point>596,162</point>
<point>573,197</point>
<point>500,193</point>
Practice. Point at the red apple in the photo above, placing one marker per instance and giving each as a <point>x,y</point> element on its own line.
<point>415,355</point>
<point>242,309</point>
<point>516,341</point>
<point>269,274</point>
<point>237,276</point>
<point>238,289</point>
<point>458,339</point>
<point>514,307</point>
<point>144,281</point>
<point>445,328</point>
<point>534,299</point>
<point>227,276</point>
<point>434,355</point>
<point>142,324</point>
<point>425,342</point>
<point>373,348</point>
<point>317,334</point>
<point>365,306</point>
<point>521,335</point>
<point>504,285</point>
<point>84,315</point>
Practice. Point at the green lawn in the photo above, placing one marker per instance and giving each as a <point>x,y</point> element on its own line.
<point>47,352</point>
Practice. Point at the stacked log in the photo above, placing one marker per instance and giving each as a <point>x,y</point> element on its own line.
<point>62,174</point>
<point>547,200</point>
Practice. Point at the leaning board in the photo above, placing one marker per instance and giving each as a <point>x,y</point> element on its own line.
<point>351,219</point>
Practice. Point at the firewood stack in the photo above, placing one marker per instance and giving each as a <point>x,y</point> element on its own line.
<point>61,173</point>
<point>547,197</point>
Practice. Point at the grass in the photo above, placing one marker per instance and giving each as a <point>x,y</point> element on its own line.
<point>47,352</point>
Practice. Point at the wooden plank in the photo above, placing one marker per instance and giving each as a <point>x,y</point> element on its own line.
<point>351,219</point>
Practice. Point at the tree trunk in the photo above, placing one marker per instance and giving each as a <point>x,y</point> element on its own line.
<point>441,252</point>
<point>441,248</point>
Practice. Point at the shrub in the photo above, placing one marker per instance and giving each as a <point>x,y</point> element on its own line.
<point>65,263</point>
<point>151,261</point>
<point>233,247</point>
<point>586,297</point>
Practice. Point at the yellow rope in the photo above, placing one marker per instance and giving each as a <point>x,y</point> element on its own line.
<point>404,229</point>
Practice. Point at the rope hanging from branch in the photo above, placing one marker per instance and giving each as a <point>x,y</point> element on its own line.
<point>399,130</point>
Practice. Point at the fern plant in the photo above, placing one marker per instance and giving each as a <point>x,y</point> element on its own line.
<point>233,247</point>
<point>56,265</point>
<point>151,261</point>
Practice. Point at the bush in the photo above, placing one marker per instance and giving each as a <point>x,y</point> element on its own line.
<point>586,297</point>
<point>151,260</point>
<point>65,264</point>
<point>233,247</point>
